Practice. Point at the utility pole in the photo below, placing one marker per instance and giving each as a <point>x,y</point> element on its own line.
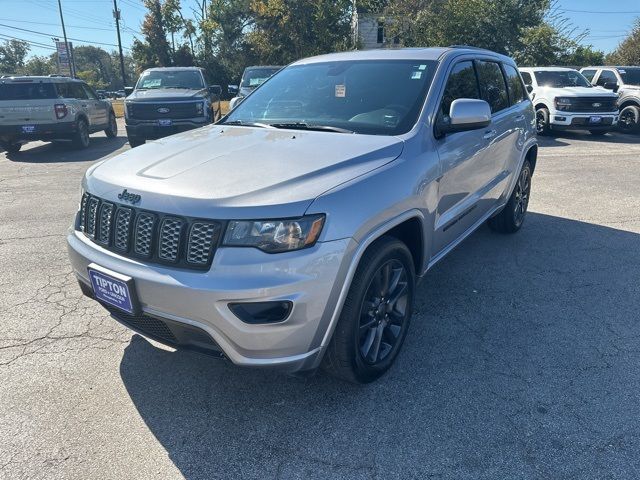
<point>116,15</point>
<point>66,43</point>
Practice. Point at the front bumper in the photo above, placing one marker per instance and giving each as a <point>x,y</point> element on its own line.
<point>41,131</point>
<point>312,279</point>
<point>151,130</point>
<point>559,120</point>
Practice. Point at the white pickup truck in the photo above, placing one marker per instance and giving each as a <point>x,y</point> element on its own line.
<point>565,100</point>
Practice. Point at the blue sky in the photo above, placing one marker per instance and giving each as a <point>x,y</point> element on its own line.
<point>92,21</point>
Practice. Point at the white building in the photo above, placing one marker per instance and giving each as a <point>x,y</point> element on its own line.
<point>371,31</point>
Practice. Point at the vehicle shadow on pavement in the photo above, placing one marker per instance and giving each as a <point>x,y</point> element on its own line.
<point>557,138</point>
<point>521,362</point>
<point>63,152</point>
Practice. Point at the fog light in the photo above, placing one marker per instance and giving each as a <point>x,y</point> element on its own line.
<point>560,119</point>
<point>261,312</point>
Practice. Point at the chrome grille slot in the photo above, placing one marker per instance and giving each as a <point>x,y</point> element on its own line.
<point>170,233</point>
<point>123,229</point>
<point>163,238</point>
<point>104,227</point>
<point>92,216</point>
<point>144,233</point>
<point>83,211</point>
<point>201,241</point>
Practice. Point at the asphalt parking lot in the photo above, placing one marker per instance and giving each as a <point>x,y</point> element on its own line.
<point>522,360</point>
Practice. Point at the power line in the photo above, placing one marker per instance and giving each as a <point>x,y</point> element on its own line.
<point>54,24</point>
<point>35,44</point>
<point>54,35</point>
<point>600,12</point>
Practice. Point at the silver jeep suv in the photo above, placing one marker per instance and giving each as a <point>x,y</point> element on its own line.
<point>51,108</point>
<point>292,233</point>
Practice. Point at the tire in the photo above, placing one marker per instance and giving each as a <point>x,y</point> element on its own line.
<point>512,216</point>
<point>135,141</point>
<point>598,133</point>
<point>629,120</point>
<point>112,130</point>
<point>11,147</point>
<point>542,121</point>
<point>373,323</point>
<point>80,139</point>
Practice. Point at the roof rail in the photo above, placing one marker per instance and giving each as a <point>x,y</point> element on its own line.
<point>466,46</point>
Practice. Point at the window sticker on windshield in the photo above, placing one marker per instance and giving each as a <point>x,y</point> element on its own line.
<point>416,75</point>
<point>152,82</point>
<point>422,67</point>
<point>341,91</point>
<point>622,71</point>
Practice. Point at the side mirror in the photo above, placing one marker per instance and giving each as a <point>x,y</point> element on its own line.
<point>215,90</point>
<point>128,91</point>
<point>235,101</point>
<point>465,114</point>
<point>611,86</point>
<point>233,89</point>
<point>529,88</point>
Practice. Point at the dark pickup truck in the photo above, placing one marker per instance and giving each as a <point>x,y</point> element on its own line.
<point>169,100</point>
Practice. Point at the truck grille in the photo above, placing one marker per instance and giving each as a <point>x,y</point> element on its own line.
<point>149,111</point>
<point>586,104</point>
<point>154,236</point>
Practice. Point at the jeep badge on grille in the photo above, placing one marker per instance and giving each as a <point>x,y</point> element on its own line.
<point>132,198</point>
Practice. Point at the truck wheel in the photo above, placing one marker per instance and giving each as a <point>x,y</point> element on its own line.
<point>112,130</point>
<point>376,313</point>
<point>629,121</point>
<point>542,121</point>
<point>135,141</point>
<point>512,216</point>
<point>80,139</point>
<point>11,147</point>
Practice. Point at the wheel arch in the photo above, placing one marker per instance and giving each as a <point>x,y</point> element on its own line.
<point>629,102</point>
<point>532,156</point>
<point>540,105</point>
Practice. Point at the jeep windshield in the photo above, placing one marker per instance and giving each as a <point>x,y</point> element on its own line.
<point>630,75</point>
<point>27,90</point>
<point>561,79</point>
<point>187,79</point>
<point>376,97</point>
<point>254,77</point>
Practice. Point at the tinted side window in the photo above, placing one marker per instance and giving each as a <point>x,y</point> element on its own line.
<point>589,74</point>
<point>492,86</point>
<point>517,93</point>
<point>462,83</point>
<point>606,76</point>
<point>89,92</point>
<point>76,91</point>
<point>526,78</point>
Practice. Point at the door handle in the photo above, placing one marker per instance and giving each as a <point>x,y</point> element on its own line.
<point>489,134</point>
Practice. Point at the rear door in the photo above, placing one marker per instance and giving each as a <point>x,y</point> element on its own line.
<point>27,103</point>
<point>82,104</point>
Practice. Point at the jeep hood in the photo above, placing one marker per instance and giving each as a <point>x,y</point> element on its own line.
<point>164,95</point>
<point>240,172</point>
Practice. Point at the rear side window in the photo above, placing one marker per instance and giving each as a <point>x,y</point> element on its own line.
<point>589,74</point>
<point>27,91</point>
<point>462,83</point>
<point>517,93</point>
<point>526,78</point>
<point>76,91</point>
<point>89,92</point>
<point>606,76</point>
<point>493,88</point>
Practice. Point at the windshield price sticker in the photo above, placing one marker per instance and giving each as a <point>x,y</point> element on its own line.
<point>341,91</point>
<point>416,75</point>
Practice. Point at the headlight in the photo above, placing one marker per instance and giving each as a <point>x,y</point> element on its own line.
<point>563,103</point>
<point>274,236</point>
<point>200,108</point>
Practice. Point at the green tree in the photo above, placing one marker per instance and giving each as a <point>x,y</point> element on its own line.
<point>157,50</point>
<point>286,30</point>
<point>12,56</point>
<point>628,52</point>
<point>39,65</point>
<point>94,65</point>
<point>173,21</point>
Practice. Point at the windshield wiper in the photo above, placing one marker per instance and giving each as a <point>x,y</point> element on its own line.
<point>242,123</point>
<point>306,126</point>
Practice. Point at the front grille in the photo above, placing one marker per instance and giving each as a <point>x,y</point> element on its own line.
<point>149,111</point>
<point>586,104</point>
<point>154,236</point>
